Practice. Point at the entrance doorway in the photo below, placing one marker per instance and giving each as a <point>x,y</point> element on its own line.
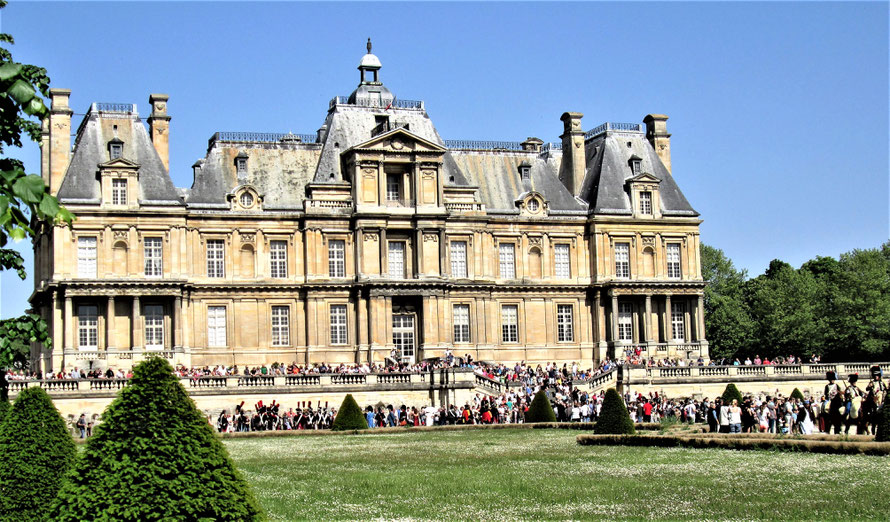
<point>403,336</point>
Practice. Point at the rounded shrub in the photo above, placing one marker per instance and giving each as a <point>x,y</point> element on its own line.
<point>349,416</point>
<point>36,451</point>
<point>730,393</point>
<point>882,434</point>
<point>154,457</point>
<point>614,418</point>
<point>796,394</point>
<point>540,410</point>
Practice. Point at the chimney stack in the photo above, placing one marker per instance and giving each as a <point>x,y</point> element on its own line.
<point>159,127</point>
<point>573,166</point>
<point>59,137</point>
<point>657,134</point>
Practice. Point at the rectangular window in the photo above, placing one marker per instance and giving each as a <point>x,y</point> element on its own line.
<point>563,264</point>
<point>565,329</point>
<point>338,324</point>
<point>673,260</point>
<point>278,259</point>
<point>510,324</point>
<point>622,260</point>
<point>393,187</point>
<point>280,325</point>
<point>506,260</point>
<point>678,321</point>
<point>458,259</point>
<point>461,322</point>
<point>625,321</point>
<point>337,258</point>
<point>86,257</point>
<point>216,258</point>
<point>116,150</point>
<point>154,326</point>
<point>118,192</point>
<point>88,327</point>
<point>396,259</point>
<point>154,257</point>
<point>216,326</point>
<point>646,203</point>
<point>403,335</point>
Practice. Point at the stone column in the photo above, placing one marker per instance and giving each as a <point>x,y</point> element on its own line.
<point>137,324</point>
<point>384,262</point>
<point>359,248</point>
<point>69,324</point>
<point>668,324</point>
<point>443,255</point>
<point>614,318</point>
<point>177,322</point>
<point>647,325</point>
<point>109,325</point>
<point>700,319</point>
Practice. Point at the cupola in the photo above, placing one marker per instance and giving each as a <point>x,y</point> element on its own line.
<point>370,92</point>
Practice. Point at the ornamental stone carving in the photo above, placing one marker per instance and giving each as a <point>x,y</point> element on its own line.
<point>370,236</point>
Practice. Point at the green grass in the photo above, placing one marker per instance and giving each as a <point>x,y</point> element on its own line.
<point>544,474</point>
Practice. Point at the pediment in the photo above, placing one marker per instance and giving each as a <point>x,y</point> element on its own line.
<point>644,178</point>
<point>399,140</point>
<point>119,163</point>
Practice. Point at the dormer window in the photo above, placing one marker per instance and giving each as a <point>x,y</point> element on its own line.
<point>241,165</point>
<point>646,203</point>
<point>246,199</point>
<point>525,171</point>
<point>636,165</point>
<point>533,205</point>
<point>115,149</point>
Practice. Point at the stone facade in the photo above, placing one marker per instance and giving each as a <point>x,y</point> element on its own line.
<point>371,235</point>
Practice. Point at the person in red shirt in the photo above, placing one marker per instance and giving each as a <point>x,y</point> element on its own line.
<point>647,412</point>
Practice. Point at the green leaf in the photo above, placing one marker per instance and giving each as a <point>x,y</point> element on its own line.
<point>4,204</point>
<point>49,206</point>
<point>17,233</point>
<point>35,107</point>
<point>29,189</point>
<point>9,70</point>
<point>21,91</point>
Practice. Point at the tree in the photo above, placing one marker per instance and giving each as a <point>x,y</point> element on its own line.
<point>614,418</point>
<point>37,452</point>
<point>860,317</point>
<point>154,457</point>
<point>27,208</point>
<point>730,393</point>
<point>540,410</point>
<point>349,416</point>
<point>728,324</point>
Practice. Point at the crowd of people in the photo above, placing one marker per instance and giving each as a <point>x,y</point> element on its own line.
<point>635,356</point>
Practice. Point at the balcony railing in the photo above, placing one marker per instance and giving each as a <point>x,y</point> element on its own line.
<point>609,126</point>
<point>399,202</point>
<point>547,147</point>
<point>464,207</point>
<point>262,137</point>
<point>382,104</point>
<point>483,145</point>
<point>127,108</point>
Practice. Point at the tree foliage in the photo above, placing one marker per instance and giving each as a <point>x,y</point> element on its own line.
<point>540,410</point>
<point>37,452</point>
<point>614,418</point>
<point>730,393</point>
<point>154,457</point>
<point>728,326</point>
<point>796,394</point>
<point>349,416</point>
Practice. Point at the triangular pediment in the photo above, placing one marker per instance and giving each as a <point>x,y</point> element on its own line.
<point>399,140</point>
<point>119,163</point>
<point>644,178</point>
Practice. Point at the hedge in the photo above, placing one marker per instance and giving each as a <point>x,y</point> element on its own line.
<point>349,416</point>
<point>540,410</point>
<point>730,393</point>
<point>614,417</point>
<point>36,451</point>
<point>154,457</point>
<point>883,431</point>
<point>739,443</point>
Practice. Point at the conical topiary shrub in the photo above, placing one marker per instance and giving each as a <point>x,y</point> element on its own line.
<point>154,457</point>
<point>36,451</point>
<point>540,410</point>
<point>614,419</point>
<point>349,416</point>
<point>730,393</point>
<point>796,394</point>
<point>883,432</point>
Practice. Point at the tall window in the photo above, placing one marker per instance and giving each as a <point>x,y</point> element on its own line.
<point>241,166</point>
<point>88,327</point>
<point>154,257</point>
<point>403,335</point>
<point>338,324</point>
<point>625,321</point>
<point>154,326</point>
<point>673,260</point>
<point>461,322</point>
<point>118,192</point>
<point>216,258</point>
<point>622,260</point>
<point>278,259</point>
<point>507,260</point>
<point>565,329</point>
<point>510,324</point>
<point>280,326</point>
<point>86,257</point>
<point>646,203</point>
<point>393,187</point>
<point>216,326</point>
<point>458,259</point>
<point>563,264</point>
<point>337,258</point>
<point>396,259</point>
<point>678,321</point>
<point>116,150</point>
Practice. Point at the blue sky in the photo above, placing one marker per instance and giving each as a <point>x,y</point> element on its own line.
<point>779,111</point>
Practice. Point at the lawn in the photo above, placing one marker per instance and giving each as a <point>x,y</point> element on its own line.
<point>544,474</point>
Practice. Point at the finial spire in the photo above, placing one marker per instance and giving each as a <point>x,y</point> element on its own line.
<point>369,45</point>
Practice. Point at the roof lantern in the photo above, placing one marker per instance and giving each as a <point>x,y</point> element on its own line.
<point>370,92</point>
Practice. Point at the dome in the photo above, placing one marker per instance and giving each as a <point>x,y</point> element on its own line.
<point>370,61</point>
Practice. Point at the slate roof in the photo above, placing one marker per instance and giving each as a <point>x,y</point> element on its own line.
<point>81,183</point>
